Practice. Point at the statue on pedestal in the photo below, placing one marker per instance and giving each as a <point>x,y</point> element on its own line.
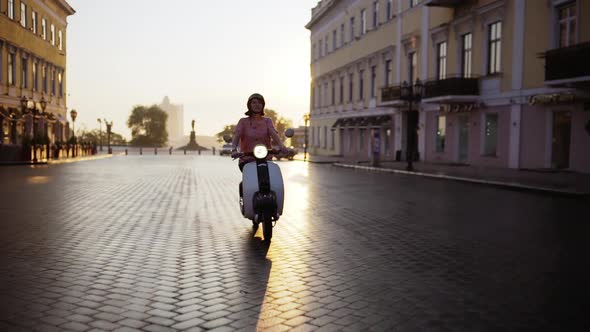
<point>192,144</point>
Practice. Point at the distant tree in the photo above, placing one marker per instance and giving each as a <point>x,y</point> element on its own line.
<point>281,123</point>
<point>94,136</point>
<point>227,130</point>
<point>148,126</point>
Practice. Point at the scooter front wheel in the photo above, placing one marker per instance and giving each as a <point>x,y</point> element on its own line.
<point>267,228</point>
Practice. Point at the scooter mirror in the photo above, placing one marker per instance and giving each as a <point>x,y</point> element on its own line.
<point>227,138</point>
<point>289,132</point>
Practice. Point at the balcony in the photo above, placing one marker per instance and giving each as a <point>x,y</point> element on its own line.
<point>445,3</point>
<point>391,96</point>
<point>451,90</point>
<point>568,66</point>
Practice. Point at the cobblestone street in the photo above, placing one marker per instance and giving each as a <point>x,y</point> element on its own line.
<point>157,243</point>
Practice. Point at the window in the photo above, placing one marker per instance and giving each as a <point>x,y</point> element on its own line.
<point>44,29</point>
<point>414,3</point>
<point>321,50</point>
<point>491,134</point>
<point>387,139</point>
<point>567,24</point>
<point>494,47</point>
<point>373,81</point>
<point>44,77</point>
<point>362,132</point>
<point>333,92</point>
<point>11,69</point>
<point>350,140</point>
<point>52,30</point>
<point>60,84</point>
<point>325,94</point>
<point>363,21</point>
<point>342,35</point>
<point>441,61</point>
<point>326,46</point>
<point>375,16</point>
<point>334,40</point>
<point>23,14</point>
<point>53,82</point>
<point>35,76</point>
<point>388,78</point>
<point>24,73</point>
<point>59,40</point>
<point>313,55</point>
<point>325,145</point>
<point>466,52</point>
<point>361,84</point>
<point>11,9</point>
<point>350,86</point>
<point>341,89</point>
<point>389,11</point>
<point>441,125</point>
<point>412,67</point>
<point>351,29</point>
<point>332,139</point>
<point>34,21</point>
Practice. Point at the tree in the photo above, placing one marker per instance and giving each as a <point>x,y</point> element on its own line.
<point>148,126</point>
<point>94,137</point>
<point>227,130</point>
<point>281,123</point>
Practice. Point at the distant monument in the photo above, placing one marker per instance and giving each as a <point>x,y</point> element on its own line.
<point>192,144</point>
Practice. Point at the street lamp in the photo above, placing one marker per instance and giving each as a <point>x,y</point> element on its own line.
<point>411,94</point>
<point>100,132</point>
<point>109,126</point>
<point>73,115</point>
<point>305,120</point>
<point>28,106</point>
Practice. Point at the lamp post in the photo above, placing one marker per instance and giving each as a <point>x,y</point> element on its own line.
<point>100,132</point>
<point>28,106</point>
<point>73,115</point>
<point>305,120</point>
<point>109,126</point>
<point>411,94</point>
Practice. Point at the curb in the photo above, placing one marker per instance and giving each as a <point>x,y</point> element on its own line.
<point>54,162</point>
<point>507,185</point>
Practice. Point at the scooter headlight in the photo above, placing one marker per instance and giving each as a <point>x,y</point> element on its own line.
<point>260,151</point>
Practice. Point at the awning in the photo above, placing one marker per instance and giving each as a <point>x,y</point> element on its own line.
<point>363,121</point>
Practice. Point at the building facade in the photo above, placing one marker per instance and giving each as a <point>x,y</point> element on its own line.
<point>175,123</point>
<point>503,83</point>
<point>32,74</point>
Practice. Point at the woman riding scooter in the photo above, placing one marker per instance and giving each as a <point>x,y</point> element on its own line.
<point>253,130</point>
<point>264,204</point>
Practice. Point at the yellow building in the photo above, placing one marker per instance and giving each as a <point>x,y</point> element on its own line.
<point>32,74</point>
<point>503,83</point>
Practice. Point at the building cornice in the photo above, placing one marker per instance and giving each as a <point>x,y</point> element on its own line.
<point>318,13</point>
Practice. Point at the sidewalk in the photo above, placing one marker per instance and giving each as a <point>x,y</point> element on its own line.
<point>543,181</point>
<point>54,161</point>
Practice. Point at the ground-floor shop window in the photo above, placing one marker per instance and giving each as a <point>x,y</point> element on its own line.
<point>441,125</point>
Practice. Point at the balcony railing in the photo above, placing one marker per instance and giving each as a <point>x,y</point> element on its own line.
<point>391,93</point>
<point>568,63</point>
<point>445,3</point>
<point>452,86</point>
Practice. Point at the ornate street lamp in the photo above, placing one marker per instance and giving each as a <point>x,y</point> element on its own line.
<point>100,132</point>
<point>109,126</point>
<point>31,109</point>
<point>73,115</point>
<point>411,94</point>
<point>306,118</point>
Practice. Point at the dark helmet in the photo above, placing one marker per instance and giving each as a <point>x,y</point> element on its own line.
<point>255,96</point>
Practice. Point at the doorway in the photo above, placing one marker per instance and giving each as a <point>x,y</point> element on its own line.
<point>562,125</point>
<point>463,138</point>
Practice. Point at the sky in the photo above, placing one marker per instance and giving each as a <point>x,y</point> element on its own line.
<point>207,55</point>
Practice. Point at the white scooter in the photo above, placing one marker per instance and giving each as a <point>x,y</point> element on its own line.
<point>262,191</point>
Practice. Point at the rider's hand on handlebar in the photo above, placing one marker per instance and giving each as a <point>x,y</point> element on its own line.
<point>235,154</point>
